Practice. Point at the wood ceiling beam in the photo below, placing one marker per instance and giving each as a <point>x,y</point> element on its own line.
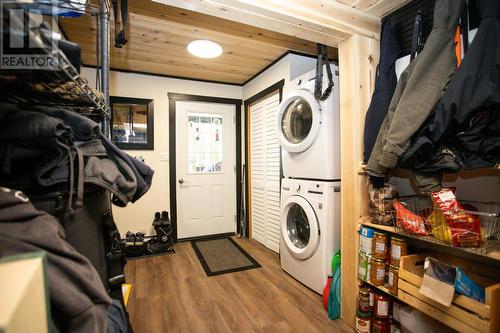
<point>315,20</point>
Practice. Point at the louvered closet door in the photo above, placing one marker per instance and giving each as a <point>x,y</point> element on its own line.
<point>265,172</point>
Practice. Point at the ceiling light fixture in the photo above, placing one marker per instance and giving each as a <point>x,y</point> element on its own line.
<point>203,48</point>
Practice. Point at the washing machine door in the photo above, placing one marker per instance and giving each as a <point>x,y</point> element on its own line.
<point>299,227</point>
<point>299,121</point>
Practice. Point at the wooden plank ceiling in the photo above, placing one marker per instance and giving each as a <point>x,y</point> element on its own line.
<point>157,38</point>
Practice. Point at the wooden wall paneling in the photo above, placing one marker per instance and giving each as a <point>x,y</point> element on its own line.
<point>358,57</point>
<point>307,19</point>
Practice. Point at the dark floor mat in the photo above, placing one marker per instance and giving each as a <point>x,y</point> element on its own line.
<point>222,255</point>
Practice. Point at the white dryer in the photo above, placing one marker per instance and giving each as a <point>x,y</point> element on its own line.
<point>310,229</point>
<point>309,130</point>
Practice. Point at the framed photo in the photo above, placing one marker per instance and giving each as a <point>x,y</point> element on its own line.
<point>132,123</point>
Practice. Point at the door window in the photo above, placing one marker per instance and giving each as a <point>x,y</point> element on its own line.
<point>205,152</point>
<point>297,120</point>
<point>298,228</point>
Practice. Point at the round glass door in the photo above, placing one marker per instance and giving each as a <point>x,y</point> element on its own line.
<point>298,121</point>
<point>299,227</point>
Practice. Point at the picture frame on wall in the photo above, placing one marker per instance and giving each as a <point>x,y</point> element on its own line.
<point>132,123</point>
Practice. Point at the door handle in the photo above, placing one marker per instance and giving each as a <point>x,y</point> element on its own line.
<point>181,181</point>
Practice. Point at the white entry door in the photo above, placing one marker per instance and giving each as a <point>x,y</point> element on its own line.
<point>265,172</point>
<point>205,168</point>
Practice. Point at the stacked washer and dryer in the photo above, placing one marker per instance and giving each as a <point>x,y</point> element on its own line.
<point>308,130</point>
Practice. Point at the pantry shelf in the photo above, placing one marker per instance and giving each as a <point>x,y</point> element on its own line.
<point>381,288</point>
<point>492,255</point>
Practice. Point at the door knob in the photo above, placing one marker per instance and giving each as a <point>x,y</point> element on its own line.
<point>181,181</point>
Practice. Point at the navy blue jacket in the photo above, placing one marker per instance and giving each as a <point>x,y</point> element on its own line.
<point>385,83</point>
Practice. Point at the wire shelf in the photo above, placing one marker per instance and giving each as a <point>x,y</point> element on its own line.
<point>474,228</point>
<point>55,87</point>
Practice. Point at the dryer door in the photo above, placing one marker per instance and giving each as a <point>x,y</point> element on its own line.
<point>299,227</point>
<point>299,121</point>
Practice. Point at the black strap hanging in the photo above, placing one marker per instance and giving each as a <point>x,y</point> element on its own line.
<point>120,36</point>
<point>318,86</point>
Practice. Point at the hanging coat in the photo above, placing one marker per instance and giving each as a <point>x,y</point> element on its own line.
<point>385,83</point>
<point>78,299</point>
<point>418,90</point>
<point>465,125</point>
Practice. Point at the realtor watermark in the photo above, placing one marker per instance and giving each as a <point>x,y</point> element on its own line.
<point>22,27</point>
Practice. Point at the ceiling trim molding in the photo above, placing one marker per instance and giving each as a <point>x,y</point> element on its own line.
<point>323,22</point>
<point>114,69</point>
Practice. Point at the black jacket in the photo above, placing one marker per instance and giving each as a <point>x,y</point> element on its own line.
<point>53,147</point>
<point>385,83</point>
<point>463,131</point>
<point>78,299</point>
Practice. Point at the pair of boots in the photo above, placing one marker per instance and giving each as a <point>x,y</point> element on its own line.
<point>164,241</point>
<point>161,219</point>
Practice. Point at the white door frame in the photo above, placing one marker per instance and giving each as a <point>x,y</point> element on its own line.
<point>172,99</point>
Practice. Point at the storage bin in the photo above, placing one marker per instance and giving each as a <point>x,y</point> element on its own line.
<point>478,229</point>
<point>465,314</point>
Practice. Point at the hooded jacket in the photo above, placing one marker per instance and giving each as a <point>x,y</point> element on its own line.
<point>385,83</point>
<point>418,90</point>
<point>464,128</point>
<point>78,299</point>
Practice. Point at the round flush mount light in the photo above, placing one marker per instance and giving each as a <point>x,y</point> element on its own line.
<point>203,48</point>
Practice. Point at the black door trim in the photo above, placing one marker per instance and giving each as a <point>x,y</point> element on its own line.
<point>278,86</point>
<point>172,99</point>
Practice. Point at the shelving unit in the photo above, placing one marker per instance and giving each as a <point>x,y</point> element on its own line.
<point>465,314</point>
<point>492,255</point>
<point>60,85</point>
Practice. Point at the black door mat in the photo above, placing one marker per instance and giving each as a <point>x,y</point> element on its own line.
<point>222,255</point>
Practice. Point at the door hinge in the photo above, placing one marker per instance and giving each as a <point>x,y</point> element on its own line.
<point>235,219</point>
<point>234,169</point>
<point>234,119</point>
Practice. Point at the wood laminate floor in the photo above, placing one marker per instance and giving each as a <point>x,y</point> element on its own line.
<point>171,293</point>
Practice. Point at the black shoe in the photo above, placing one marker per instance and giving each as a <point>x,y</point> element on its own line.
<point>157,247</point>
<point>129,238</point>
<point>157,220</point>
<point>139,238</point>
<point>164,218</point>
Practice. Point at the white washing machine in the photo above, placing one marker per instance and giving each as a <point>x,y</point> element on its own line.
<point>309,130</point>
<point>310,229</point>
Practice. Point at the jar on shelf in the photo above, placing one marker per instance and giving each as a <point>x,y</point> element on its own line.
<point>381,325</point>
<point>379,244</point>
<point>363,322</point>
<point>381,306</point>
<point>372,297</point>
<point>364,300</point>
<point>399,248</point>
<point>392,280</point>
<point>377,272</point>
